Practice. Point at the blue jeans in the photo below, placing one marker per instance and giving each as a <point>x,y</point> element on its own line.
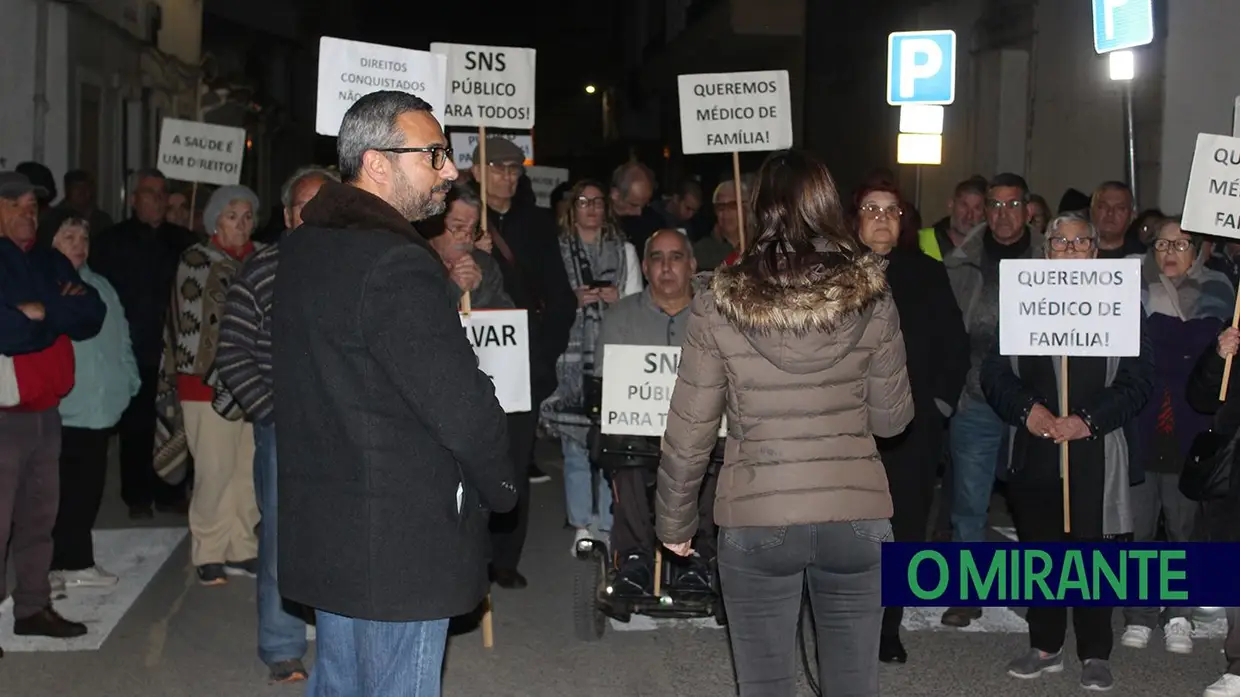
<point>281,635</point>
<point>976,436</point>
<point>581,485</point>
<point>366,658</point>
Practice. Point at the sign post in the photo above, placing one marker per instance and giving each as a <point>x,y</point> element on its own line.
<point>735,113</point>
<point>1120,25</point>
<point>1069,307</point>
<point>921,80</point>
<point>488,86</point>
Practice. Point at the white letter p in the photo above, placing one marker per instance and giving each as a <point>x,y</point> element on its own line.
<point>911,71</point>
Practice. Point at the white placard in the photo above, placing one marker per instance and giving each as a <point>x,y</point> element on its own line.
<point>201,152</point>
<point>349,70</point>
<point>735,112</point>
<point>638,382</point>
<point>490,86</point>
<point>1212,200</point>
<point>464,142</point>
<point>501,339</point>
<point>1077,307</point>
<point>544,180</point>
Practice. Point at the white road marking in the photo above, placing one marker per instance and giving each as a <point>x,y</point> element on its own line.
<point>134,554</point>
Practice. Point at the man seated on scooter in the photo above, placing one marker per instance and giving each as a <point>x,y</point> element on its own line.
<point>658,316</point>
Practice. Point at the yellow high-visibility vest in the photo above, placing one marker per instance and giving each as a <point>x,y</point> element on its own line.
<point>929,243</point>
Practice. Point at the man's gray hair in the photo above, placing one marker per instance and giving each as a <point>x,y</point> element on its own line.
<point>303,173</point>
<point>683,238</point>
<point>466,195</point>
<point>219,201</point>
<point>747,183</point>
<point>623,178</point>
<point>370,124</point>
<point>144,173</point>
<point>1071,217</point>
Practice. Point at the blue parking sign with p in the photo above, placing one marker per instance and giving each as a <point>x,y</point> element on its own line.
<point>921,67</point>
<point>1121,24</point>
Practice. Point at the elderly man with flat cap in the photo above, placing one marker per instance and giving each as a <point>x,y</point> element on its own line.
<point>523,241</point>
<point>44,306</point>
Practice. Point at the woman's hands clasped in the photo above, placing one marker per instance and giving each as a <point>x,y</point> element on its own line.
<point>1043,424</point>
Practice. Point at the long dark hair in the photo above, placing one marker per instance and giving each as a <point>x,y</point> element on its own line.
<point>795,203</point>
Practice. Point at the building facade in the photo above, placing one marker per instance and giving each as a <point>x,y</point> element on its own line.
<point>87,85</point>
<point>1032,95</point>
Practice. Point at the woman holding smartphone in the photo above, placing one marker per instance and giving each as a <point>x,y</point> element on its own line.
<point>602,268</point>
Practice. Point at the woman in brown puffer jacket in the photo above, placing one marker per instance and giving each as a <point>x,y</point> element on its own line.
<point>799,344</point>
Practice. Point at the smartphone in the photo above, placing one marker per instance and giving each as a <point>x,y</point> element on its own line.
<point>597,285</point>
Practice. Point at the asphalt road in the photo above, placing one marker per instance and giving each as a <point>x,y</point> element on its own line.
<point>182,640</point>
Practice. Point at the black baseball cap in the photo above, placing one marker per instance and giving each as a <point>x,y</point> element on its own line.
<point>16,185</point>
<point>500,151</point>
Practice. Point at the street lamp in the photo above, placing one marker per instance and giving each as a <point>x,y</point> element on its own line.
<point>1123,68</point>
<point>590,89</point>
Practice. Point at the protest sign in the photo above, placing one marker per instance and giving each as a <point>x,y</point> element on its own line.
<point>349,70</point>
<point>544,180</point>
<point>501,340</point>
<point>489,86</point>
<point>735,112</point>
<point>464,142</point>
<point>1076,307</point>
<point>1212,200</point>
<point>201,152</point>
<point>638,382</point>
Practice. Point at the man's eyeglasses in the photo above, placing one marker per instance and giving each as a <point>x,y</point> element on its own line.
<point>876,212</point>
<point>995,205</point>
<point>1063,244</point>
<point>440,154</point>
<point>1177,245</point>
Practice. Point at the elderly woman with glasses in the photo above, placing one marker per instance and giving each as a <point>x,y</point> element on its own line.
<point>1104,397</point>
<point>1188,306</point>
<point>197,413</point>
<point>455,236</point>
<point>938,360</point>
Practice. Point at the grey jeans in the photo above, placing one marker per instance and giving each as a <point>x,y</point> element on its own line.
<point>762,571</point>
<point>29,499</point>
<point>1160,494</point>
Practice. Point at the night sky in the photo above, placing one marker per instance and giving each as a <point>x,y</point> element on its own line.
<point>578,41</point>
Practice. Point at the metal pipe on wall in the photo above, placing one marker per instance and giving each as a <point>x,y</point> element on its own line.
<point>1130,144</point>
<point>38,145</point>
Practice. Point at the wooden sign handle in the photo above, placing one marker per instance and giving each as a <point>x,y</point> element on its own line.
<point>740,205</point>
<point>1235,321</point>
<point>1063,447</point>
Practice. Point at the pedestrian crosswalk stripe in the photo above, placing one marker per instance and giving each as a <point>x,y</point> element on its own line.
<point>133,554</point>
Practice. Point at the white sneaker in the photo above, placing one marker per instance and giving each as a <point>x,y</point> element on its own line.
<point>1178,635</point>
<point>1135,637</point>
<point>578,536</point>
<point>1226,686</point>
<point>94,577</point>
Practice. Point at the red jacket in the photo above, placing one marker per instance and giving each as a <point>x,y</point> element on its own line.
<point>44,377</point>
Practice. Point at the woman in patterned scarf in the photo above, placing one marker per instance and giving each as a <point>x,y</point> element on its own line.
<point>602,268</point>
<point>197,414</point>
<point>1188,305</point>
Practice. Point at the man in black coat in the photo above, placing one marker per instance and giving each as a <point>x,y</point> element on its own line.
<point>392,447</point>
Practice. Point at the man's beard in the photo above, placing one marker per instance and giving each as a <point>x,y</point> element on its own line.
<point>413,205</point>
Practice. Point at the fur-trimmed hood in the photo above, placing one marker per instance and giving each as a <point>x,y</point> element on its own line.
<point>344,207</point>
<point>807,327</point>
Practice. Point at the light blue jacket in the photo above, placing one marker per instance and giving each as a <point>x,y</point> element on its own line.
<point>105,373</point>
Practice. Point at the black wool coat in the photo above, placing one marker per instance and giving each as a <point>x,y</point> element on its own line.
<point>381,415</point>
<point>937,350</point>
